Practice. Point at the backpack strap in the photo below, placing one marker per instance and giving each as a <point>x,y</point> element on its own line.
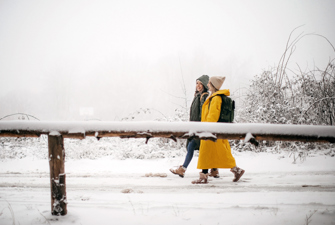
<point>202,100</point>
<point>202,95</point>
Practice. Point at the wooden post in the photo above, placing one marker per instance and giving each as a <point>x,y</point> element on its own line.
<point>57,175</point>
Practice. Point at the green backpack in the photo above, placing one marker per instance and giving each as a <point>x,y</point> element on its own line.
<point>227,109</point>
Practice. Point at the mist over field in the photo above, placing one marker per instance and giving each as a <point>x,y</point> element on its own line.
<point>80,60</point>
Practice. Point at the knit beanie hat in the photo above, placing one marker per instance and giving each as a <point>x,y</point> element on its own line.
<point>217,81</point>
<point>204,80</point>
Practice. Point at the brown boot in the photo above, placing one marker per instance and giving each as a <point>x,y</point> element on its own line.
<point>202,180</point>
<point>179,171</point>
<point>214,173</point>
<point>238,173</point>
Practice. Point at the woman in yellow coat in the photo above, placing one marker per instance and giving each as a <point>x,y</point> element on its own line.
<point>215,154</point>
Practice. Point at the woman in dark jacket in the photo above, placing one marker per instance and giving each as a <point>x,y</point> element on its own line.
<point>195,115</point>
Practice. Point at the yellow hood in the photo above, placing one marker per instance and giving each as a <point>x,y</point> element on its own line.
<point>226,92</point>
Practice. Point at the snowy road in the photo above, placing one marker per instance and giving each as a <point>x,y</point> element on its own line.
<point>272,191</point>
<point>321,181</point>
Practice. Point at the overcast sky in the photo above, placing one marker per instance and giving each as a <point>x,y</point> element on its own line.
<point>118,56</point>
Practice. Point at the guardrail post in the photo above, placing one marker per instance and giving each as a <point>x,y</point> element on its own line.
<point>57,175</point>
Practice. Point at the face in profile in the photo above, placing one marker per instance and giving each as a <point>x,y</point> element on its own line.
<point>199,86</point>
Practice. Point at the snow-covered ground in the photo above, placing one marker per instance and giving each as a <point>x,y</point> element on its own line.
<point>107,190</point>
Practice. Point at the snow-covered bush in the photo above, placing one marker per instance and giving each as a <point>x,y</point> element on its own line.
<point>317,93</point>
<point>306,98</point>
<point>284,96</point>
<point>91,148</point>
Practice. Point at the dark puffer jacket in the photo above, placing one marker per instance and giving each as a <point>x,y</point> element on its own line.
<point>196,106</point>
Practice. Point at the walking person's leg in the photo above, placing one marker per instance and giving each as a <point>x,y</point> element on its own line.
<point>190,152</point>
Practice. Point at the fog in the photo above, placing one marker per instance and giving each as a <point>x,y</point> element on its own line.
<point>79,60</point>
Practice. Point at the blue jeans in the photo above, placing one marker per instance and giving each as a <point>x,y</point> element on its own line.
<point>190,152</point>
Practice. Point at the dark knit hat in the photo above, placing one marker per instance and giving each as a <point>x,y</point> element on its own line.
<point>204,80</point>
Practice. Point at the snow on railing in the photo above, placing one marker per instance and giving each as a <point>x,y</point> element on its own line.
<point>150,129</point>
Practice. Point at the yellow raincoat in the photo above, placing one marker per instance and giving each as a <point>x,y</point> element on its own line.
<point>214,154</point>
